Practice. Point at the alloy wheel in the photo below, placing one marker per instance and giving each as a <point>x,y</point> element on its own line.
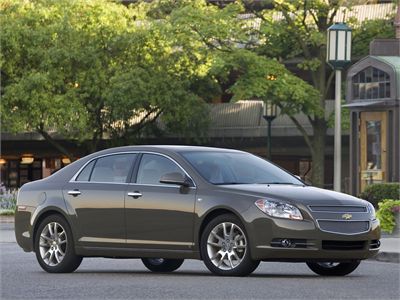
<point>328,265</point>
<point>226,246</point>
<point>156,261</point>
<point>53,244</point>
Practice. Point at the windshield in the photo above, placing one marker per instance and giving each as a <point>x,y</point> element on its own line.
<point>237,168</point>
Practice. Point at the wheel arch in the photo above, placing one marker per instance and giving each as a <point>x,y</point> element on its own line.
<point>44,214</point>
<point>212,214</point>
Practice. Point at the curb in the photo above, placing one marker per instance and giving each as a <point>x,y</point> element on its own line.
<point>6,219</point>
<point>392,257</point>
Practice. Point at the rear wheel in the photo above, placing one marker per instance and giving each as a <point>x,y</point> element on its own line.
<point>333,268</point>
<point>225,248</point>
<point>54,246</point>
<point>162,265</point>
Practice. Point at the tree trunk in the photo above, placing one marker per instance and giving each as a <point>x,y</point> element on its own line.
<point>318,153</point>
<point>98,132</point>
<point>56,144</point>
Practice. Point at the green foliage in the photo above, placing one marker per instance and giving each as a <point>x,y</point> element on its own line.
<point>386,214</point>
<point>235,65</point>
<point>260,78</point>
<point>369,30</point>
<point>7,212</point>
<point>58,57</point>
<point>295,31</point>
<point>375,193</point>
<point>345,117</point>
<point>93,69</point>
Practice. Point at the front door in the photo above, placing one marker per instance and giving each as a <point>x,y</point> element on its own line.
<point>372,148</point>
<point>158,215</point>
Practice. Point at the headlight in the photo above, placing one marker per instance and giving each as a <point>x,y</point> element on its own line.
<point>279,209</point>
<point>372,212</point>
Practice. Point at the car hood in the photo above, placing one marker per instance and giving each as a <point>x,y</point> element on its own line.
<point>306,195</point>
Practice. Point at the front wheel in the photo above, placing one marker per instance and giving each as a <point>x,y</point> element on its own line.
<point>162,265</point>
<point>333,268</point>
<point>225,247</point>
<point>54,246</point>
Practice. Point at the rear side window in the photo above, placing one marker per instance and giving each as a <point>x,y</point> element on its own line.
<point>85,173</point>
<point>113,168</point>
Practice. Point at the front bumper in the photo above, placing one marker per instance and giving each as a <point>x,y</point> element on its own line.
<point>314,244</point>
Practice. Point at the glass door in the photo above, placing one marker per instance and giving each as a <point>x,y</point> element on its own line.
<point>372,148</point>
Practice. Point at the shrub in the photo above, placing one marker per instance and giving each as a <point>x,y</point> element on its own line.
<point>386,214</point>
<point>7,212</point>
<point>8,200</point>
<point>377,192</point>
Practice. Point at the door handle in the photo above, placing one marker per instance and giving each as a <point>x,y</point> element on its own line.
<point>135,194</point>
<point>74,193</point>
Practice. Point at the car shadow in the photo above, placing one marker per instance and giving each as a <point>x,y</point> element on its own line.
<point>205,274</point>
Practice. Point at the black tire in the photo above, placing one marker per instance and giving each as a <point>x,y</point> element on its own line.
<point>245,264</point>
<point>162,265</point>
<point>70,261</point>
<point>339,269</point>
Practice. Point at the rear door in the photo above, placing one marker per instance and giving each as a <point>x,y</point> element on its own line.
<point>159,216</point>
<point>96,198</point>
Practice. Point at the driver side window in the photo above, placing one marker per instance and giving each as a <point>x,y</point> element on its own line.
<point>153,166</point>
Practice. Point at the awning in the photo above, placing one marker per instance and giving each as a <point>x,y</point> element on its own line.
<point>363,104</point>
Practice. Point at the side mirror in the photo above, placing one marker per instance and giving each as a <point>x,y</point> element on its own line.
<point>175,178</point>
<point>305,180</point>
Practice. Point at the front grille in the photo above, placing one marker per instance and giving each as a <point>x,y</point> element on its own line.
<point>338,209</point>
<point>343,245</point>
<point>342,219</point>
<point>346,227</point>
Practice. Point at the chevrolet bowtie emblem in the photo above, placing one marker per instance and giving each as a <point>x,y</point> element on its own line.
<point>347,216</point>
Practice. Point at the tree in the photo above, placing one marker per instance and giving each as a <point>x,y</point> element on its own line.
<point>57,60</point>
<point>299,29</point>
<point>244,56</point>
<point>87,69</point>
<point>238,66</point>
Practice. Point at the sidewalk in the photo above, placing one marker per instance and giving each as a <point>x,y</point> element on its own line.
<point>389,252</point>
<point>390,249</point>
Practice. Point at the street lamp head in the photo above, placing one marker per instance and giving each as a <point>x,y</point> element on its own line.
<point>338,49</point>
<point>270,110</point>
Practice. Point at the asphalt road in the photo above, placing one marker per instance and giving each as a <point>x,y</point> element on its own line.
<point>100,278</point>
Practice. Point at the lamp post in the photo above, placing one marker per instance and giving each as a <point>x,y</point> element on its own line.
<point>270,111</point>
<point>338,55</point>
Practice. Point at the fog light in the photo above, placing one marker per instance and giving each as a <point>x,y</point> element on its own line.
<point>286,243</point>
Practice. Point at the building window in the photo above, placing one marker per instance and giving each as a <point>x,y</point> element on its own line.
<point>371,83</point>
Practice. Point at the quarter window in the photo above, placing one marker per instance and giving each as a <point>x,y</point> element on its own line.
<point>84,175</point>
<point>113,168</point>
<point>153,167</point>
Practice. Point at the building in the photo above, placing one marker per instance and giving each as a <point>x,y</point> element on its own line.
<point>373,97</point>
<point>240,125</point>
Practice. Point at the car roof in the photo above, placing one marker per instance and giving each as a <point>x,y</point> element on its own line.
<point>171,148</point>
